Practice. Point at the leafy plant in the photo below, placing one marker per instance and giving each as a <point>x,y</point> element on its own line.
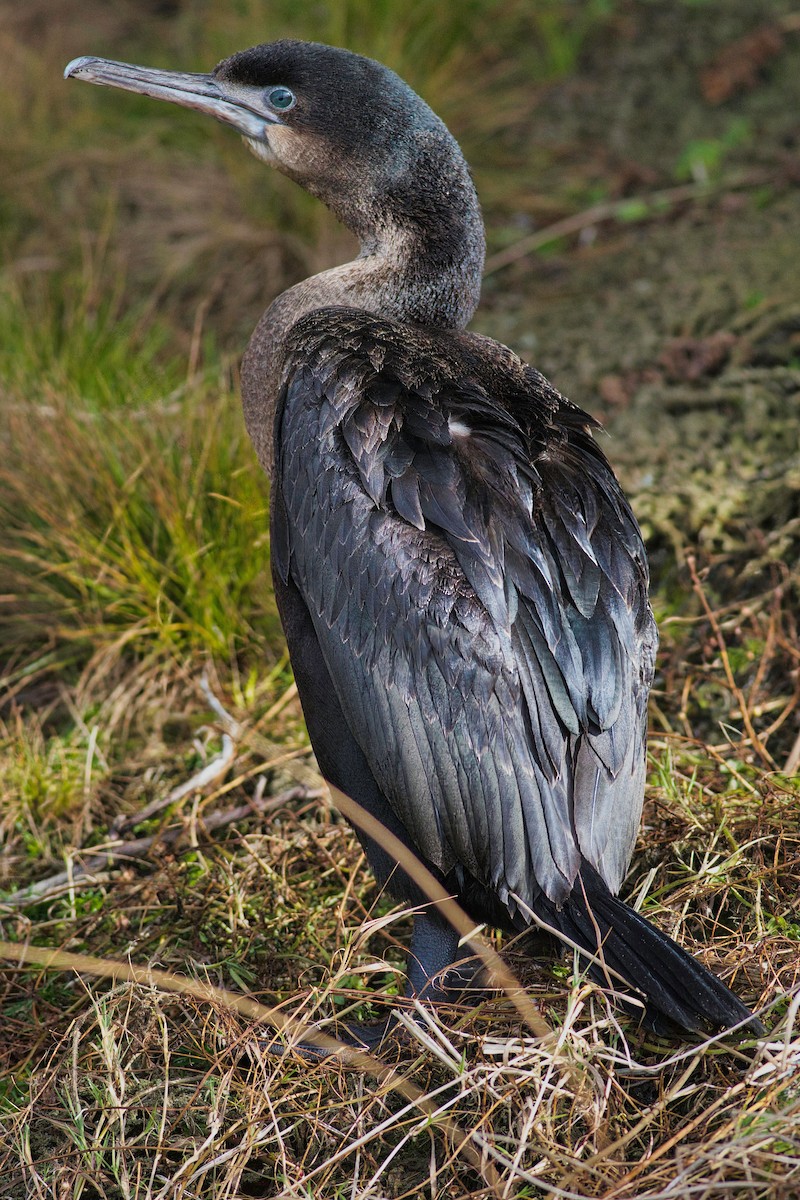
<point>702,159</point>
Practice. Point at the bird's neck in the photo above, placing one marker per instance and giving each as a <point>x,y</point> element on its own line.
<point>429,279</point>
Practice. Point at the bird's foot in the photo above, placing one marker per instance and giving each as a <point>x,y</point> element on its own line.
<point>344,1039</point>
<point>465,982</point>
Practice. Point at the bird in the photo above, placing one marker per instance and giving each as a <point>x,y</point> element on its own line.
<point>461,581</point>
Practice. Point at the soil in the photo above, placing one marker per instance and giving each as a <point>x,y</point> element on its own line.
<point>681,332</point>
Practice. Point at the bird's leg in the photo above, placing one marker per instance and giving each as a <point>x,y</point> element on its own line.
<point>434,972</point>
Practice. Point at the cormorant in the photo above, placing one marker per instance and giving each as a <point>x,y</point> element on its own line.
<point>462,584</point>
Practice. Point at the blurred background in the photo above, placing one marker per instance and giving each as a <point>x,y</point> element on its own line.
<point>638,162</point>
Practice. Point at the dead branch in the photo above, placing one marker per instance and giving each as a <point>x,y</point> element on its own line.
<point>116,853</point>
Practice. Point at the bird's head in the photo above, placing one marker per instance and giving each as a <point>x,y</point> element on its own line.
<point>346,128</point>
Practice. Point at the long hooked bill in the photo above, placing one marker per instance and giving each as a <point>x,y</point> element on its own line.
<point>200,92</point>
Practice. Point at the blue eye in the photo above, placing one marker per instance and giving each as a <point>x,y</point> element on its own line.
<point>281,98</point>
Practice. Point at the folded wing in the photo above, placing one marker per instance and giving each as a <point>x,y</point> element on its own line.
<point>479,592</point>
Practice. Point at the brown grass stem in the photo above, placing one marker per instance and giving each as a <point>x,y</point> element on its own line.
<point>51,959</point>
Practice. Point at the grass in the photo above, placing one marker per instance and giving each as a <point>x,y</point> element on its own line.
<point>148,702</point>
<point>140,540</point>
<point>176,1095</point>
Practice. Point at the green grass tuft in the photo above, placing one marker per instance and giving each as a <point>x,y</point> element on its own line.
<point>134,529</point>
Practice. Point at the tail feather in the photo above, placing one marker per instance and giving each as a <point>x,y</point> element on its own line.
<point>678,990</point>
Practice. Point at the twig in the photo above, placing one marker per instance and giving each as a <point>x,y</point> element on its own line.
<point>231,724</point>
<point>134,849</point>
<point>280,703</point>
<point>207,774</point>
<point>790,23</point>
<point>608,210</point>
<point>755,740</point>
<point>259,1014</point>
<point>793,761</point>
<point>211,771</point>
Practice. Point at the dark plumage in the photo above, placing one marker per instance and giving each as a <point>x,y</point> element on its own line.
<point>461,581</point>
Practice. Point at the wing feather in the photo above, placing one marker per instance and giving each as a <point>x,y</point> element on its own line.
<point>480,601</point>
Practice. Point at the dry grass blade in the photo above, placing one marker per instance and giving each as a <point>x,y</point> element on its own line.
<point>744,708</point>
<point>448,908</point>
<point>388,1078</point>
<point>118,852</point>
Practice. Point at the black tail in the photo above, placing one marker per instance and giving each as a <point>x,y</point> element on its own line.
<point>677,990</point>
